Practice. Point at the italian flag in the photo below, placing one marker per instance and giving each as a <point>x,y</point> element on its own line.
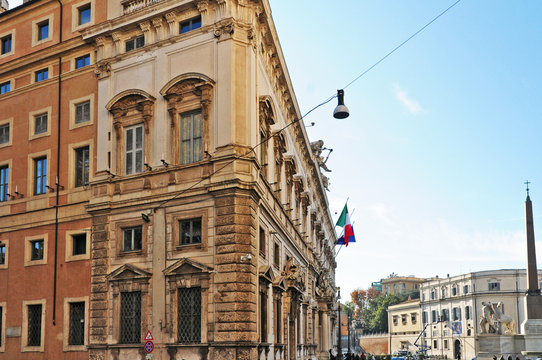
<point>344,222</point>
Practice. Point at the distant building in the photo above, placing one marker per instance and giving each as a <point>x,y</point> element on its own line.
<point>400,284</point>
<point>404,325</point>
<point>377,285</point>
<point>451,309</point>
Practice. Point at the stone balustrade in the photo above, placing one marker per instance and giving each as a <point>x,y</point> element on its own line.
<point>130,6</point>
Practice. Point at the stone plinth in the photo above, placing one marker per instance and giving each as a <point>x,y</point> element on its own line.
<point>532,330</point>
<point>492,344</point>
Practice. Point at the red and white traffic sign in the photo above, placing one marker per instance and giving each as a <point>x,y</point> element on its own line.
<point>149,347</point>
<point>148,336</point>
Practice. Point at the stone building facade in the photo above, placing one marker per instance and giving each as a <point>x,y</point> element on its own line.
<point>456,311</point>
<point>404,326</point>
<point>204,211</point>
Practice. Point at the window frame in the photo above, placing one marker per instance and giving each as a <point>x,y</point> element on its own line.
<point>82,171</point>
<point>179,314</point>
<point>141,314</point>
<point>262,237</point>
<point>192,236</point>
<point>73,111</point>
<point>5,246</point>
<point>175,220</point>
<point>190,23</point>
<point>32,123</point>
<point>28,250</point>
<point>3,84</point>
<point>66,346</point>
<point>134,151</point>
<point>3,326</point>
<point>84,58</point>
<point>135,42</point>
<point>69,256</point>
<point>76,24</point>
<point>39,177</point>
<point>494,286</point>
<point>37,74</point>
<point>4,185</point>
<point>9,124</point>
<point>24,335</point>
<point>35,30</point>
<point>193,159</point>
<point>4,38</point>
<point>132,230</point>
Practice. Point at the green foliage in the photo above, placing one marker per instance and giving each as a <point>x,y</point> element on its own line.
<point>372,308</point>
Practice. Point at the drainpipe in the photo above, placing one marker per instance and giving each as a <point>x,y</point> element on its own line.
<point>57,179</point>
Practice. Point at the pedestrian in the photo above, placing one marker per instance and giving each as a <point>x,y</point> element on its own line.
<point>331,357</point>
<point>363,357</point>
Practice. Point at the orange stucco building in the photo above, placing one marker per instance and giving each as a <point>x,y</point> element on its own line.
<point>47,135</point>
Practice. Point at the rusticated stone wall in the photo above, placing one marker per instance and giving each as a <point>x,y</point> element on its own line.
<point>235,334</point>
<point>98,299</point>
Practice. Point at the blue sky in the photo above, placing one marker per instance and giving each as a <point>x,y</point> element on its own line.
<point>441,136</point>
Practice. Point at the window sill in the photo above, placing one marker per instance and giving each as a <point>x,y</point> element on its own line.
<point>188,246</point>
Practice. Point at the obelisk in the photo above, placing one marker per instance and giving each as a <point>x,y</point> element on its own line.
<point>531,328</point>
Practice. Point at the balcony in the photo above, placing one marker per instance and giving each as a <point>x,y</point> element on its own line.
<point>131,6</point>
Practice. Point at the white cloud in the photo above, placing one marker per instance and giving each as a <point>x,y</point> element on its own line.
<point>411,105</point>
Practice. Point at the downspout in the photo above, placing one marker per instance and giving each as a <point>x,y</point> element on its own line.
<point>57,181</point>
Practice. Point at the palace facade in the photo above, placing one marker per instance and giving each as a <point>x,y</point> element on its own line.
<point>155,178</point>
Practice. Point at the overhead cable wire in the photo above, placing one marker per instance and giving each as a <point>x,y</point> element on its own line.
<point>401,44</point>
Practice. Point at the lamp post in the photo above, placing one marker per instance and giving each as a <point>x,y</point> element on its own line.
<point>349,319</point>
<point>339,350</point>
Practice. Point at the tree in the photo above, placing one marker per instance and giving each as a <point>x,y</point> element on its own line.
<point>371,308</point>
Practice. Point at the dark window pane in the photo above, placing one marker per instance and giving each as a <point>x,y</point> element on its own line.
<point>130,317</point>
<point>43,30</point>
<point>84,14</point>
<point>4,185</point>
<point>6,45</point>
<point>76,334</point>
<point>5,87</point>
<point>82,61</point>
<point>79,244</point>
<point>36,251</point>
<point>34,325</point>
<point>2,261</point>
<point>189,315</point>
<point>81,166</point>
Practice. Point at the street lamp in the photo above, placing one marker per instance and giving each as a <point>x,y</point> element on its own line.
<point>339,350</point>
<point>341,111</point>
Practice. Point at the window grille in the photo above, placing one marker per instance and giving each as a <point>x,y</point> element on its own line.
<point>77,324</point>
<point>189,315</point>
<point>130,317</point>
<point>34,325</point>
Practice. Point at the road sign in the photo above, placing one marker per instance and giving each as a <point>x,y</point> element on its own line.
<point>148,336</point>
<point>149,347</point>
<point>149,356</point>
